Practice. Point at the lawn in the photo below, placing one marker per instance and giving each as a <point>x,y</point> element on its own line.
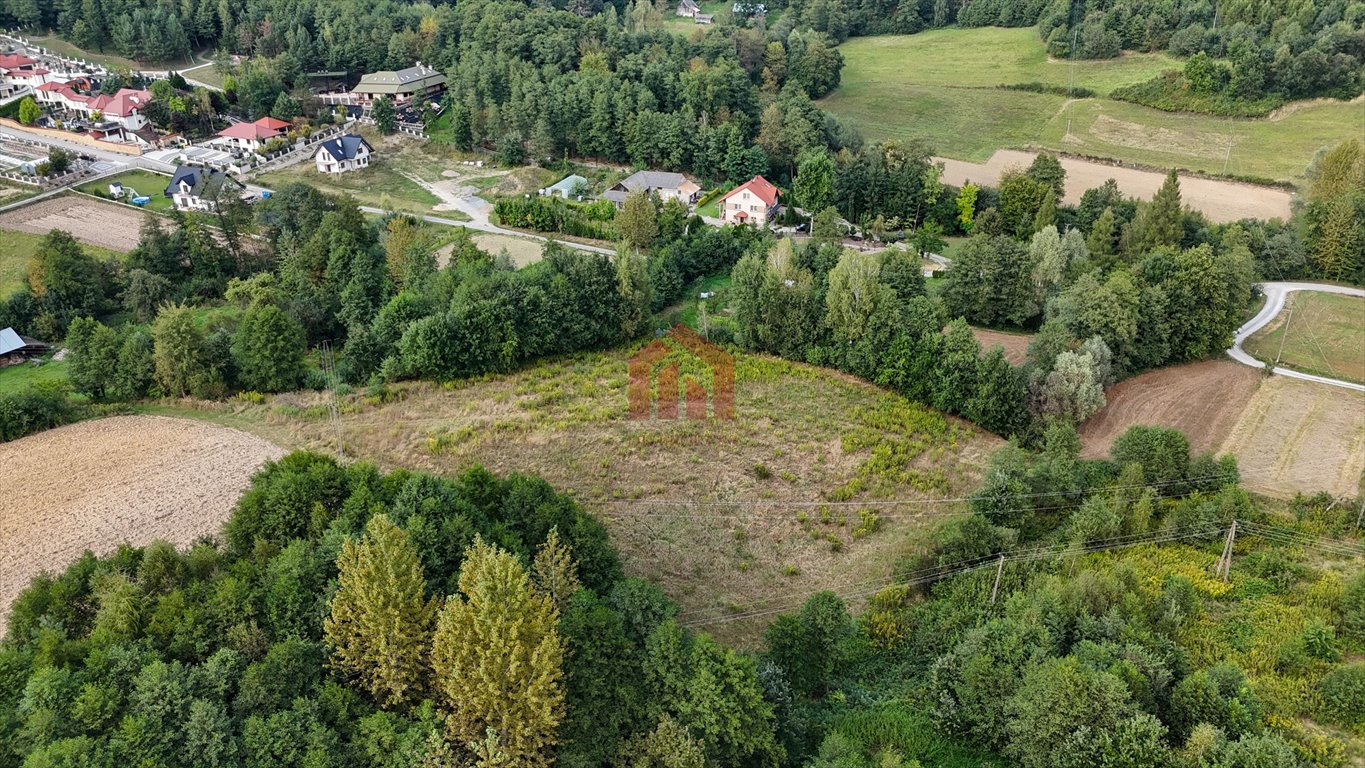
<point>381,185</point>
<point>23,375</point>
<point>19,248</point>
<point>143,182</point>
<point>684,25</point>
<point>1318,333</point>
<point>63,48</point>
<point>923,87</point>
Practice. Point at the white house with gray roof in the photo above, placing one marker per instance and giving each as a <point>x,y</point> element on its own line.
<point>347,152</point>
<point>668,186</point>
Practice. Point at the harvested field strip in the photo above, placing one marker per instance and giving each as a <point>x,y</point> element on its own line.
<point>1301,436</point>
<point>96,484</point>
<point>1014,344</point>
<point>1318,333</point>
<point>1222,201</point>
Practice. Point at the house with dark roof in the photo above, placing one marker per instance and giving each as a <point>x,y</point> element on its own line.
<point>347,152</point>
<point>198,188</point>
<point>753,202</point>
<point>402,85</point>
<point>668,186</point>
<point>253,136</point>
<point>688,8</point>
<point>16,349</point>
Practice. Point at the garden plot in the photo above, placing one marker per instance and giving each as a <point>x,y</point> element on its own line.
<point>107,225</point>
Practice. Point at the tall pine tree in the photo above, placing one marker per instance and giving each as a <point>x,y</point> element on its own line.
<point>498,659</point>
<point>380,626</point>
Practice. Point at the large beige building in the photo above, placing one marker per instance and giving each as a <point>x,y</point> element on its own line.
<point>403,85</point>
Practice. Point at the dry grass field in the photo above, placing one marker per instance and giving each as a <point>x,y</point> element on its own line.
<point>1204,400</point>
<point>96,484</point>
<point>1222,201</point>
<point>98,223</point>
<point>805,448</point>
<point>1301,436</point>
<point>1318,333</point>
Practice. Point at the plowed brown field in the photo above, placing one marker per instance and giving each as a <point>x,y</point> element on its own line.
<point>97,484</point>
<point>107,225</point>
<point>1204,400</point>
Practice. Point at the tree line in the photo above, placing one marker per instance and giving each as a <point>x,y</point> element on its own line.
<point>347,617</point>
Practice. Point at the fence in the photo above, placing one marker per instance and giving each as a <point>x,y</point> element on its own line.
<point>46,182</point>
<point>298,152</point>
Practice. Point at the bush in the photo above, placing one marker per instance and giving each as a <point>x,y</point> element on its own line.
<point>39,407</point>
<point>1343,694</point>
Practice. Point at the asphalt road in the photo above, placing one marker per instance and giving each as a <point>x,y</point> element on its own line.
<point>1275,294</point>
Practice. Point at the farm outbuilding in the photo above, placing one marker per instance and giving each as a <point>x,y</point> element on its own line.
<point>16,349</point>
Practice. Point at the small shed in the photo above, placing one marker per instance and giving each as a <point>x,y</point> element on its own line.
<point>16,349</point>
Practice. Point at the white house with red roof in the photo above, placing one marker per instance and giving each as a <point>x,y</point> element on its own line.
<point>19,72</point>
<point>252,136</point>
<point>753,202</point>
<point>126,108</point>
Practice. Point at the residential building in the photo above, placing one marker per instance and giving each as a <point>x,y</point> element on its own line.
<point>704,18</point>
<point>348,152</point>
<point>753,202</point>
<point>196,188</point>
<point>566,187</point>
<point>125,109</point>
<point>688,8</point>
<point>404,85</point>
<point>251,137</point>
<point>668,186</point>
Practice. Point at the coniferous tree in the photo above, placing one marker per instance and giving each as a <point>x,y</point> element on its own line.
<point>498,658</point>
<point>1163,228</point>
<point>380,624</point>
<point>555,572</point>
<point>1103,239</point>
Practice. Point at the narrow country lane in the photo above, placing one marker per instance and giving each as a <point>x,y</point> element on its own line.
<point>1276,294</point>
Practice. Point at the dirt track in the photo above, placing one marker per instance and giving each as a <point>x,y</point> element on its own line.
<point>108,225</point>
<point>1221,201</point>
<point>96,484</point>
<point>1203,400</point>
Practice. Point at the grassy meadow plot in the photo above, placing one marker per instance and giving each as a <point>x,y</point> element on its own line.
<point>1318,333</point>
<point>19,248</point>
<point>801,434</point>
<point>943,87</point>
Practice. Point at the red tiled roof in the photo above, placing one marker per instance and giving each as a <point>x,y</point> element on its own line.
<point>122,104</point>
<point>15,61</point>
<point>759,187</point>
<point>265,128</point>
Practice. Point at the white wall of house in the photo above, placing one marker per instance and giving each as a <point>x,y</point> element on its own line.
<point>328,164</point>
<point>748,203</point>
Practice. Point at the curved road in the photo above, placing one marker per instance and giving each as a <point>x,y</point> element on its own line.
<point>1275,294</point>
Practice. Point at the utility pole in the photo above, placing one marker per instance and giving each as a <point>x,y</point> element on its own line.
<point>999,569</point>
<point>1224,568</point>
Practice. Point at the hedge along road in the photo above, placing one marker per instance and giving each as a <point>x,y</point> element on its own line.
<point>1275,295</point>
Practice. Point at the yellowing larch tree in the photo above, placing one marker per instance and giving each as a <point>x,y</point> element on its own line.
<point>556,573</point>
<point>499,659</point>
<point>379,629</point>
